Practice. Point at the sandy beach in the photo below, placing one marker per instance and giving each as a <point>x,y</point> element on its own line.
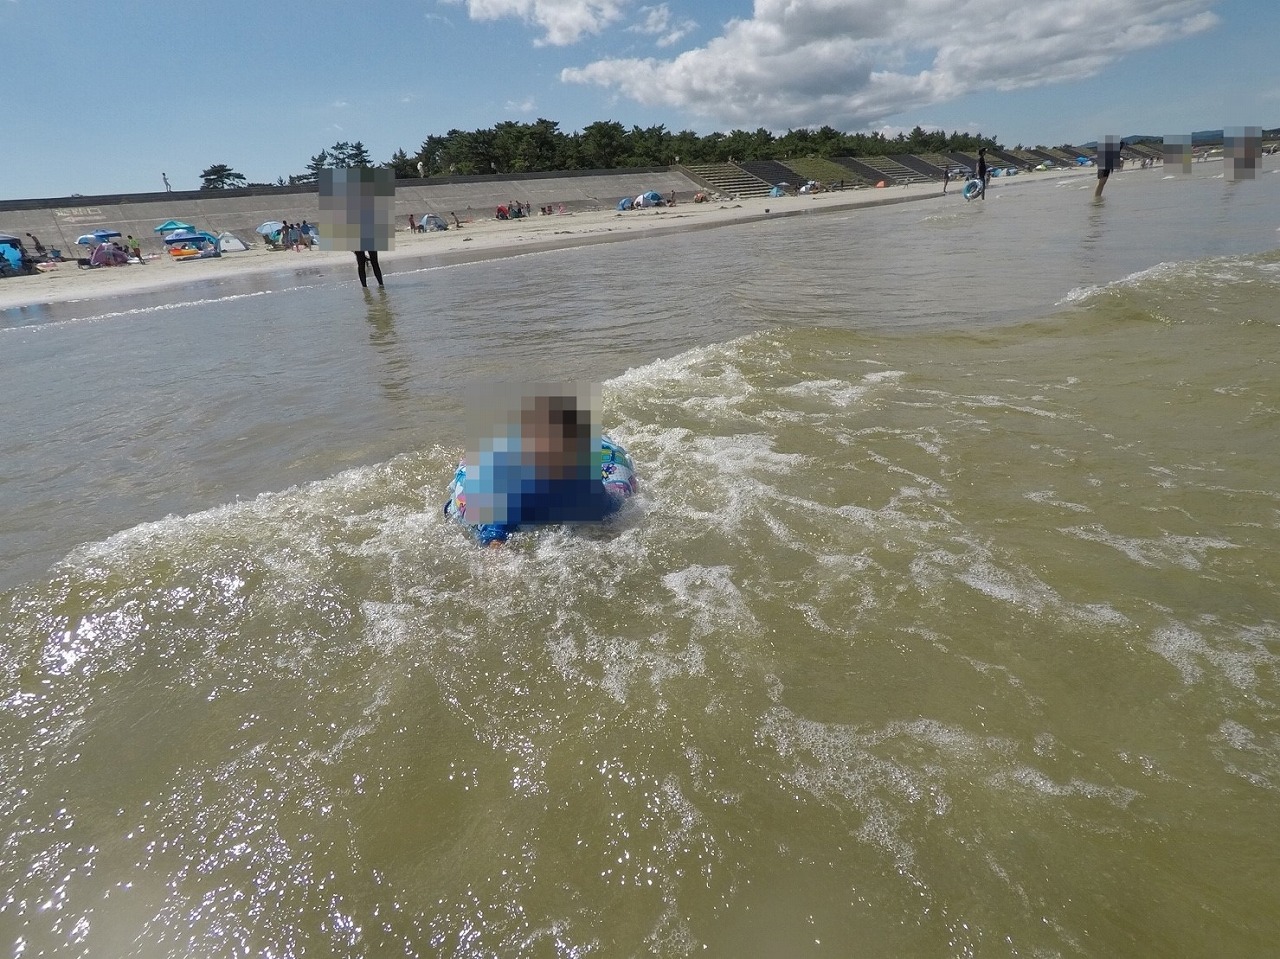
<point>477,240</point>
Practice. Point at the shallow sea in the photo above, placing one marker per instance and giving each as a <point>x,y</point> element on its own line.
<point>947,622</point>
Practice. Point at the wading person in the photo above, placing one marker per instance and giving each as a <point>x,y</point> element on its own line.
<point>371,257</point>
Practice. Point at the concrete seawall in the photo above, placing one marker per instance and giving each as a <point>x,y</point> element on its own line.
<point>57,222</point>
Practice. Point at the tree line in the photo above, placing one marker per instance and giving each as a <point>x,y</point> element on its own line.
<point>542,147</point>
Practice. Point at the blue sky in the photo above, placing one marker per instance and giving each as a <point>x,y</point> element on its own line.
<point>104,97</point>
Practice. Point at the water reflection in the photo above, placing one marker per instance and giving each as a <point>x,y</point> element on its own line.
<point>395,367</point>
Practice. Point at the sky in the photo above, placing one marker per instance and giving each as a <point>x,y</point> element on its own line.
<point>105,97</point>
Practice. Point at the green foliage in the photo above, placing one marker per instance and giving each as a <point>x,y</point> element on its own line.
<point>219,176</point>
<point>541,146</point>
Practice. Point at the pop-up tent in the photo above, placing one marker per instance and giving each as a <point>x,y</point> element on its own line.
<point>430,222</point>
<point>11,251</point>
<point>626,203</point>
<point>230,243</point>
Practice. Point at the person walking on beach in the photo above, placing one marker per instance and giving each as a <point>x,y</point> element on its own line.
<point>135,248</point>
<point>372,257</point>
<point>983,174</point>
<point>946,179</point>
<point>167,188</point>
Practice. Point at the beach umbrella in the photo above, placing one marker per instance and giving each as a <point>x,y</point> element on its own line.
<point>271,226</point>
<point>168,226</point>
<point>106,234</point>
<point>88,239</point>
<point>181,236</point>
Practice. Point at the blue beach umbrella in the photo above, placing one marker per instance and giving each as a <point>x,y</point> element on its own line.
<point>168,226</point>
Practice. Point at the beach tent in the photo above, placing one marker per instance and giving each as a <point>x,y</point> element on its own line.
<point>431,222</point>
<point>168,226</point>
<point>643,201</point>
<point>626,203</point>
<point>230,243</point>
<point>198,240</point>
<point>653,196</point>
<point>777,191</point>
<point>11,251</point>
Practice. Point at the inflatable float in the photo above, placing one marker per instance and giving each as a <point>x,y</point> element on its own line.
<point>972,188</point>
<point>617,478</point>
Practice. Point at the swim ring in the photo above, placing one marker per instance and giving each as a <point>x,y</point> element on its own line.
<point>972,188</point>
<point>617,477</point>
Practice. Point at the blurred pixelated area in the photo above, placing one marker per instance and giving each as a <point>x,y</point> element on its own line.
<point>357,209</point>
<point>523,443</point>
<point>1109,152</point>
<point>1177,154</point>
<point>1241,151</point>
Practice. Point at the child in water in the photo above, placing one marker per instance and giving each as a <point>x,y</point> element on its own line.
<point>547,465</point>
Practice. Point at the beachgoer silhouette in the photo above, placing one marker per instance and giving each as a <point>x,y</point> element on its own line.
<point>372,257</point>
<point>983,175</point>
<point>167,188</point>
<point>946,179</point>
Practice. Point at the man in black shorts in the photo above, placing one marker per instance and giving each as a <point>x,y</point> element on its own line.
<point>982,171</point>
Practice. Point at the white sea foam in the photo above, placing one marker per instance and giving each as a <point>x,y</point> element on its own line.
<point>1188,552</point>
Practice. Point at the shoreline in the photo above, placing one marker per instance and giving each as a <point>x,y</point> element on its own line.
<point>477,241</point>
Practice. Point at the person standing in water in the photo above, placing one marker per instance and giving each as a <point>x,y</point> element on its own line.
<point>983,175</point>
<point>1107,160</point>
<point>371,257</point>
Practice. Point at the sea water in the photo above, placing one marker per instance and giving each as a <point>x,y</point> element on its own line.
<point>946,622</point>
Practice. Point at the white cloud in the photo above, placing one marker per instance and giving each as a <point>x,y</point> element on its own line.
<point>851,63</point>
<point>521,106</point>
<point>564,21</point>
<point>659,22</point>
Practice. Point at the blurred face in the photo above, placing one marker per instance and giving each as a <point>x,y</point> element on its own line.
<point>552,436</point>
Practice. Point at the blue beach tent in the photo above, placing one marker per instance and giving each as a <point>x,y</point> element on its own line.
<point>626,203</point>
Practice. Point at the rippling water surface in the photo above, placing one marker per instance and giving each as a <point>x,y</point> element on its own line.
<point>945,624</point>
